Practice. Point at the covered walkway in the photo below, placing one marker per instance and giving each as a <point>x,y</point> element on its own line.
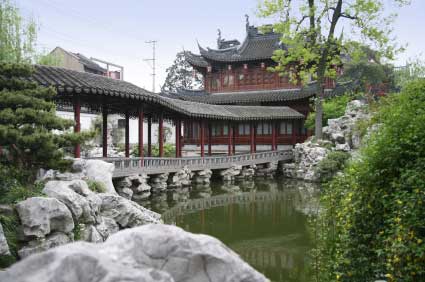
<point>78,91</point>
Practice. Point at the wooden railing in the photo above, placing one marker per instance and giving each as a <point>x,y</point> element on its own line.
<point>149,165</point>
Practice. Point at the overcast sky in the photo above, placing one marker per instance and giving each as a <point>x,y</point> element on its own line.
<point>116,31</point>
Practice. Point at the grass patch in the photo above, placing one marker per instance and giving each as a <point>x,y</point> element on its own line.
<point>96,186</point>
<point>10,228</point>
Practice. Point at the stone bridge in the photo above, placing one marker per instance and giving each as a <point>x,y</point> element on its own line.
<point>149,165</point>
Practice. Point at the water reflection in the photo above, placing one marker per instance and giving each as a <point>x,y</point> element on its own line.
<point>263,221</point>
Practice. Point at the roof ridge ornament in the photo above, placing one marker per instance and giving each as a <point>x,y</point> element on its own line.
<point>247,21</point>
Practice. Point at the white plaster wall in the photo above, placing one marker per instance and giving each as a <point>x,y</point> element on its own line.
<point>87,119</point>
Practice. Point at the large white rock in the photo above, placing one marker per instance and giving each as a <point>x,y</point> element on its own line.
<point>79,262</point>
<point>40,216</point>
<point>84,209</point>
<point>126,213</point>
<point>43,244</point>
<point>148,253</point>
<point>101,171</point>
<point>4,247</point>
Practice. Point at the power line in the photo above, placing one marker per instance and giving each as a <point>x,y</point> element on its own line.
<point>153,59</point>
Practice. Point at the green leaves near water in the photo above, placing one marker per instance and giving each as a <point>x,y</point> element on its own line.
<point>373,219</point>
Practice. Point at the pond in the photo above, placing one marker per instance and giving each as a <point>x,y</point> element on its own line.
<point>265,221</point>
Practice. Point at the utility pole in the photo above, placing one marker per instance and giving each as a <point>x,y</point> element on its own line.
<point>153,59</point>
<point>110,64</point>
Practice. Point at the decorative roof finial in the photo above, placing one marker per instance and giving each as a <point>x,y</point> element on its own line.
<point>219,40</point>
<point>247,21</point>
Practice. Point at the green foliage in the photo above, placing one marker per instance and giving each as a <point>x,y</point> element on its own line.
<point>96,186</point>
<point>77,231</point>
<point>315,45</point>
<point>373,217</point>
<point>14,186</point>
<point>169,150</point>
<point>17,36</point>
<point>10,228</point>
<point>332,108</point>
<point>335,161</point>
<point>181,75</point>
<point>27,123</point>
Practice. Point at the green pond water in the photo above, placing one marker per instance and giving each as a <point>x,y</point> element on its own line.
<point>265,221</point>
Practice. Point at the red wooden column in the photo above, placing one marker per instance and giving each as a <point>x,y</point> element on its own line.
<point>209,139</point>
<point>251,138</point>
<point>77,127</point>
<point>149,136</point>
<point>294,137</point>
<point>178,134</point>
<point>229,140</point>
<point>234,139</point>
<point>127,134</point>
<point>202,138</point>
<point>161,136</point>
<point>141,118</point>
<point>105,131</point>
<point>274,144</point>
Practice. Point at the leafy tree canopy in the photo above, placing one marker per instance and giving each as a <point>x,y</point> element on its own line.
<point>314,33</point>
<point>181,75</point>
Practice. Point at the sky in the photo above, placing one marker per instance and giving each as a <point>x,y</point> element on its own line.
<point>117,31</point>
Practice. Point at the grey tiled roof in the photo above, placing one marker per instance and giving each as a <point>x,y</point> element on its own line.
<point>256,46</point>
<point>245,97</point>
<point>195,60</point>
<point>70,81</point>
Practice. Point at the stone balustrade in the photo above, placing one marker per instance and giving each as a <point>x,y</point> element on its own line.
<point>153,165</point>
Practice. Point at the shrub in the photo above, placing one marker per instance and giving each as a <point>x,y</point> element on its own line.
<point>10,228</point>
<point>96,186</point>
<point>335,161</point>
<point>332,108</point>
<point>169,150</point>
<point>373,217</point>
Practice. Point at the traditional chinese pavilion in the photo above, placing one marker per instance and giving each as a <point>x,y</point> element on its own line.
<point>236,74</point>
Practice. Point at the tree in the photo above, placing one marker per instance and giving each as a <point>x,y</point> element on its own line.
<point>29,126</point>
<point>313,31</point>
<point>17,36</point>
<point>181,75</point>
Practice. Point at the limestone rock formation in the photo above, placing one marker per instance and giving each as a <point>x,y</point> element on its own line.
<point>147,253</point>
<point>40,216</point>
<point>134,187</point>
<point>180,179</point>
<point>230,173</point>
<point>43,244</point>
<point>341,134</point>
<point>342,131</point>
<point>124,212</point>
<point>202,176</point>
<point>4,247</point>
<point>98,170</point>
<point>307,156</point>
<point>158,182</point>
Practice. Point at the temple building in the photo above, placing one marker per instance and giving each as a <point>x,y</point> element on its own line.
<point>237,74</point>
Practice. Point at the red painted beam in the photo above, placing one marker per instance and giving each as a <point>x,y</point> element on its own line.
<point>251,138</point>
<point>229,140</point>
<point>149,136</point>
